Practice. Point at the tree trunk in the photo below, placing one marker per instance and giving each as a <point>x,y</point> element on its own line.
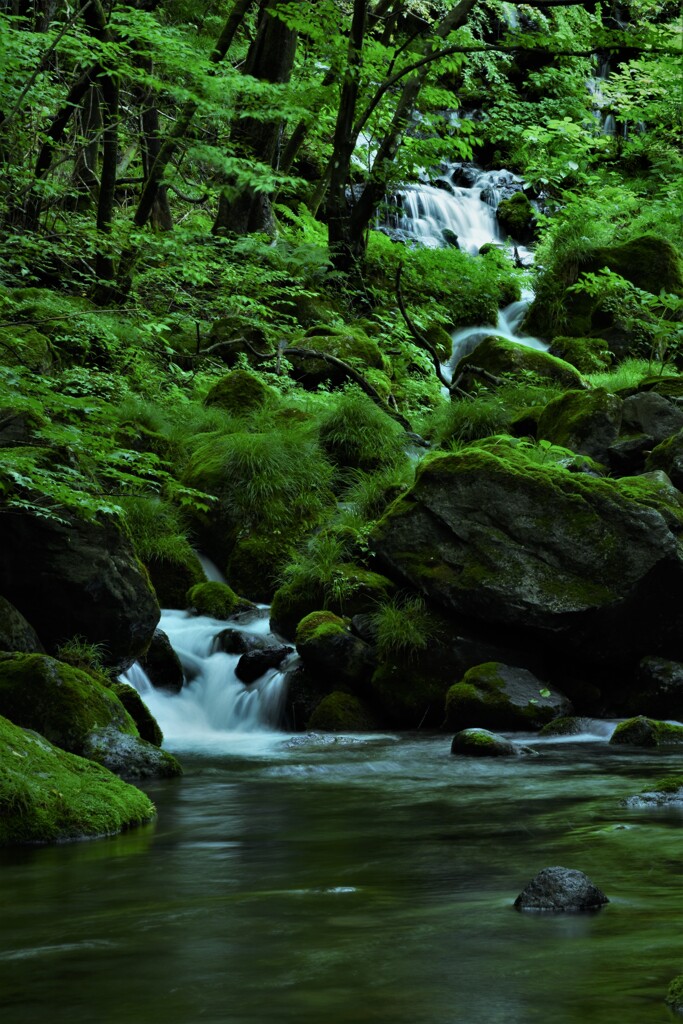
<point>86,170</point>
<point>270,59</point>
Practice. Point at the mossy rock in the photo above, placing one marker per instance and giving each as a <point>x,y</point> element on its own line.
<point>588,355</point>
<point>501,357</point>
<point>19,427</point>
<point>351,345</point>
<point>240,393</point>
<point>318,625</point>
<point>674,996</point>
<point>256,562</point>
<point>130,756</point>
<point>25,346</point>
<point>670,387</point>
<point>217,600</point>
<point>482,743</point>
<point>326,646</point>
<point>236,335</point>
<point>517,218</point>
<point>647,732</point>
<point>16,634</point>
<point>63,703</point>
<point>50,796</point>
<point>668,456</point>
<point>497,696</point>
<point>173,568</point>
<point>587,422</point>
<point>146,723</point>
<point>342,712</point>
<point>440,340</point>
<point>569,725</point>
<point>362,588</point>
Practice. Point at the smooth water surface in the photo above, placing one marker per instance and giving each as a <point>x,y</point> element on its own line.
<point>354,881</point>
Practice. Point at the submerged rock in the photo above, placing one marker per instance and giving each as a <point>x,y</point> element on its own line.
<point>560,889</point>
<point>49,796</point>
<point>482,743</point>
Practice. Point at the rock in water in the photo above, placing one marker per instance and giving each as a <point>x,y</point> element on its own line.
<point>560,889</point>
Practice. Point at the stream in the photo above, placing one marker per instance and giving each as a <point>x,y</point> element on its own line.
<point>351,879</point>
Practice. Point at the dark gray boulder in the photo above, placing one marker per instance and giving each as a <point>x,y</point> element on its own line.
<point>658,692</point>
<point>560,889</point>
<point>129,756</point>
<point>653,414</point>
<point>588,422</point>
<point>162,664</point>
<point>78,577</point>
<point>587,567</point>
<point>498,696</point>
<point>254,664</point>
<point>16,634</point>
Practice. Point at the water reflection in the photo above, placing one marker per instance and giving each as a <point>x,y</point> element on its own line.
<point>360,882</point>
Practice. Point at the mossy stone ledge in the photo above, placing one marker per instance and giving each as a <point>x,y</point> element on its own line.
<point>50,796</point>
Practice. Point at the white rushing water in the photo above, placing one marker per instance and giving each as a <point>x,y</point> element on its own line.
<point>214,709</point>
<point>507,326</point>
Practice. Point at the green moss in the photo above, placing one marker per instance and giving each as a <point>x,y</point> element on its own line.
<point>674,995</point>
<point>588,355</point>
<point>174,568</point>
<point>341,712</point>
<point>584,421</point>
<point>318,624</point>
<point>351,589</point>
<point>351,344</point>
<point>240,393</point>
<point>256,563</point>
<point>63,703</point>
<point>25,346</point>
<point>498,356</point>
<point>669,784</point>
<point>517,217</point>
<point>647,732</point>
<point>217,600</point>
<point>47,795</point>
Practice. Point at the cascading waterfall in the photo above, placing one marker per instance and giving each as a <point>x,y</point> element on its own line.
<point>509,321</point>
<point>214,706</point>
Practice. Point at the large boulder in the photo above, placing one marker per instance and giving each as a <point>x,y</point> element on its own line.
<point>588,422</point>
<point>130,756</point>
<point>584,568</point>
<point>498,356</point>
<point>658,692</point>
<point>560,889</point>
<point>74,576</point>
<point>326,645</point>
<point>647,732</point>
<point>162,664</point>
<point>482,743</point>
<point>497,696</point>
<point>651,413</point>
<point>49,796</point>
<point>16,634</point>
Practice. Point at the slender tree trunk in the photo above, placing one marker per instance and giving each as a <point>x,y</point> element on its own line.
<point>270,59</point>
<point>104,263</point>
<point>150,144</point>
<point>86,170</point>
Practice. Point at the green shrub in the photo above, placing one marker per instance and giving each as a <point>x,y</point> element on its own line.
<point>403,626</point>
<point>355,432</point>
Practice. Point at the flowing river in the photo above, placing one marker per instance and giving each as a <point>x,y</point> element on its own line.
<point>355,880</point>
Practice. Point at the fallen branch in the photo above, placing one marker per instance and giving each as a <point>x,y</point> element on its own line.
<point>474,371</point>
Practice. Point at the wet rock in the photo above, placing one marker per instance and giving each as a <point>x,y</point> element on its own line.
<point>498,696</point>
<point>327,646</point>
<point>647,732</point>
<point>570,726</point>
<point>162,664</point>
<point>254,664</point>
<point>235,641</point>
<point>561,889</point>
<point>658,692</point>
<point>652,413</point>
<point>482,743</point>
<point>130,756</point>
<point>342,712</point>
<point>588,422</point>
<point>146,723</point>
<point>666,792</point>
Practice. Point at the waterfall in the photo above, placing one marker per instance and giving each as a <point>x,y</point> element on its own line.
<point>509,321</point>
<point>214,707</point>
<point>459,208</point>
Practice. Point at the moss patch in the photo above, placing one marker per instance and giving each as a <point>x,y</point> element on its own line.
<point>647,732</point>
<point>217,600</point>
<point>342,712</point>
<point>47,795</point>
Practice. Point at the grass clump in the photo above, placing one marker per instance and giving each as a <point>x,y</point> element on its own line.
<point>77,651</point>
<point>355,432</point>
<point>403,626</point>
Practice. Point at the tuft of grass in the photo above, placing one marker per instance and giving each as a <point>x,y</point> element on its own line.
<point>627,374</point>
<point>355,432</point>
<point>469,419</point>
<point>80,653</point>
<point>403,626</point>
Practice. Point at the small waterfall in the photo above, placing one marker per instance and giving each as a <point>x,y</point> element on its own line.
<point>460,207</point>
<point>507,326</point>
<point>214,706</point>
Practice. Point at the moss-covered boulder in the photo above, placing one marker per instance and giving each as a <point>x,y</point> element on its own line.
<point>145,722</point>
<point>649,262</point>
<point>22,345</point>
<point>363,591</point>
<point>217,600</point>
<point>349,344</point>
<point>647,732</point>
<point>668,456</point>
<point>63,703</point>
<point>588,355</point>
<point>75,576</point>
<point>517,218</point>
<point>229,337</point>
<point>497,696</point>
<point>509,358</point>
<point>588,422</point>
<point>482,743</point>
<point>326,645</point>
<point>240,393</point>
<point>580,567</point>
<point>566,726</point>
<point>173,568</point>
<point>50,796</point>
<point>651,413</point>
<point>674,996</point>
<point>342,712</point>
<point>16,634</point>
